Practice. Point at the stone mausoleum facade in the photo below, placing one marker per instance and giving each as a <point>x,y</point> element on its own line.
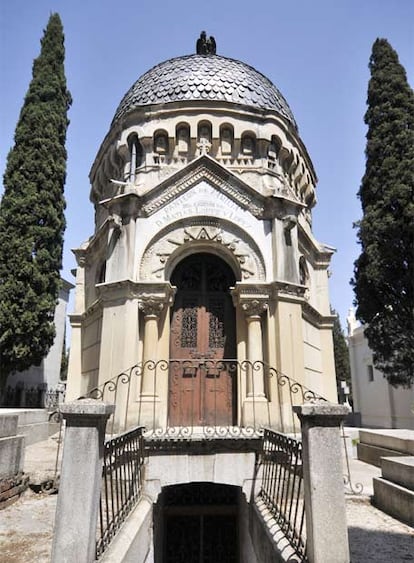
<point>203,247</point>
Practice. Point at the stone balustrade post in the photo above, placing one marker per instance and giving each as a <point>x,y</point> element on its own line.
<point>326,526</point>
<point>77,507</point>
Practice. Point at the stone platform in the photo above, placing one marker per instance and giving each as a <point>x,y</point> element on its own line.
<point>375,444</point>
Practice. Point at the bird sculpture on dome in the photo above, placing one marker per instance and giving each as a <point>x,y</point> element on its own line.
<point>205,45</point>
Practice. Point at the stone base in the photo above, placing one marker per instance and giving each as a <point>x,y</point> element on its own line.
<point>148,412</point>
<point>255,412</point>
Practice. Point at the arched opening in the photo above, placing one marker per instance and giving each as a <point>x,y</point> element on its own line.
<point>196,522</point>
<point>202,388</point>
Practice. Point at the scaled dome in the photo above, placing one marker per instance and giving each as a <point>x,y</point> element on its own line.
<point>204,77</point>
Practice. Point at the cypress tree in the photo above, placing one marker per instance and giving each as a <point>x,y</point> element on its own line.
<point>341,354</point>
<point>32,221</point>
<point>384,272</point>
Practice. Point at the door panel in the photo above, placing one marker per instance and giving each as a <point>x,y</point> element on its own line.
<point>202,387</point>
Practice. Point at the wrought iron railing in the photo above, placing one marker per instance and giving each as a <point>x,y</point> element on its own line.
<point>121,483</point>
<point>282,487</point>
<point>256,395</point>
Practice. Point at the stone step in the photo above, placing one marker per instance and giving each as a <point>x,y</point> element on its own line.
<point>395,500</point>
<point>399,470</point>
<point>373,454</point>
<point>11,456</point>
<point>398,440</point>
<point>8,425</point>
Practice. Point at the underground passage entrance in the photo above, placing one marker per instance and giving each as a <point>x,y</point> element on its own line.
<point>197,523</point>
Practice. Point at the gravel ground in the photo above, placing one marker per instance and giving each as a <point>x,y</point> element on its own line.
<point>375,537</point>
<point>26,527</point>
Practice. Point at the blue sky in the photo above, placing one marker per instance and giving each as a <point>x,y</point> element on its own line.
<point>315,52</point>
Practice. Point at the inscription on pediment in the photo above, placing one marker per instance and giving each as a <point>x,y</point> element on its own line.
<point>204,200</point>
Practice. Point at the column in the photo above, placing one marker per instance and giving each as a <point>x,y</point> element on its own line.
<point>148,400</point>
<point>152,310</point>
<point>77,507</point>
<point>326,526</point>
<point>255,380</point>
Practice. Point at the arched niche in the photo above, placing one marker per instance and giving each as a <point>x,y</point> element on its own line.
<point>202,234</point>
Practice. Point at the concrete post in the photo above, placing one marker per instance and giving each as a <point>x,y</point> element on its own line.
<point>76,517</point>
<point>326,527</point>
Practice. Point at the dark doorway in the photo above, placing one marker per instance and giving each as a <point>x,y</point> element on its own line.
<point>202,385</point>
<point>200,523</point>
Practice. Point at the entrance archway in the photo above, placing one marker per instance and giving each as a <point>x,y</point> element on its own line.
<point>202,386</point>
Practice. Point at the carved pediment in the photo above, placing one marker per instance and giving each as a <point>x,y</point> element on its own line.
<point>209,170</point>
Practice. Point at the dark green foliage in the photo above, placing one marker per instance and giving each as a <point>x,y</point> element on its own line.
<point>342,369</point>
<point>384,272</point>
<point>32,219</point>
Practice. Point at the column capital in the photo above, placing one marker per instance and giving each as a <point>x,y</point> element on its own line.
<point>253,307</point>
<point>151,306</point>
<point>252,298</point>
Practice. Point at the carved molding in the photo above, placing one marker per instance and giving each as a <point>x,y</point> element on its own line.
<point>225,237</point>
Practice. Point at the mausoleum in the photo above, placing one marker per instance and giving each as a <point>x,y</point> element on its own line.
<point>202,312</point>
<point>202,255</point>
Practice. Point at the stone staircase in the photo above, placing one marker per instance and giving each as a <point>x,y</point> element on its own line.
<point>393,451</point>
<point>375,444</point>
<point>394,490</point>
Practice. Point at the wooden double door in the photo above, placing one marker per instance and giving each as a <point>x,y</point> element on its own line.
<point>202,384</point>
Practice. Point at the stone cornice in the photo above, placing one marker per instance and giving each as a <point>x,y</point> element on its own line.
<point>315,318</point>
<point>318,254</point>
<point>286,291</point>
<point>127,289</point>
